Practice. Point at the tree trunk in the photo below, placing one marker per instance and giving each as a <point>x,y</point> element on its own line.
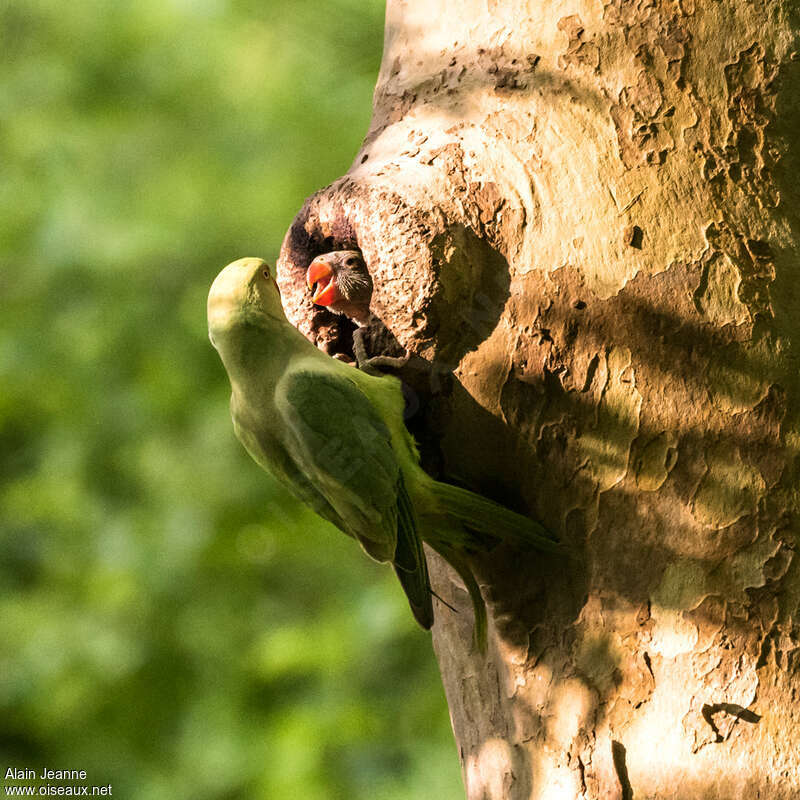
<point>583,217</point>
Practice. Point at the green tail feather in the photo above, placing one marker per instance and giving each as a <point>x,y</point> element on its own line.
<point>468,516</point>
<point>409,561</point>
<point>478,606</point>
<point>480,515</point>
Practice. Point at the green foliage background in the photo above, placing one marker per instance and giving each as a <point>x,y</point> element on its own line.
<point>170,620</point>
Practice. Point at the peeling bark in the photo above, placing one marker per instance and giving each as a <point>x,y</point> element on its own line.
<point>583,218</point>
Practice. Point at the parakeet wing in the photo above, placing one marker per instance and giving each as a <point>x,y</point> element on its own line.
<point>410,565</point>
<point>338,440</point>
<point>280,464</point>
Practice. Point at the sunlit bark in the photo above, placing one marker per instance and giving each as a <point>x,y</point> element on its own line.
<point>588,212</point>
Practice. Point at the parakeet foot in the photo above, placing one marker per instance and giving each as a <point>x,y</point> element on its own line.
<point>373,365</point>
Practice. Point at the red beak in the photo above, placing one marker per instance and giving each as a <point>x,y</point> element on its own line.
<point>321,275</point>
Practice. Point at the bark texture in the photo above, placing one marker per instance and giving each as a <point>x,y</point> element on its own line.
<point>582,216</point>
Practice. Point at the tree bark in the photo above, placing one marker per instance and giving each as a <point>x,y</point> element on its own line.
<point>583,218</point>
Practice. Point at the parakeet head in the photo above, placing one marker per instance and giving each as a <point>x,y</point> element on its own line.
<point>244,291</point>
<point>340,276</point>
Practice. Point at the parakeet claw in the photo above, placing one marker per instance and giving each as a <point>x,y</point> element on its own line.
<point>373,366</point>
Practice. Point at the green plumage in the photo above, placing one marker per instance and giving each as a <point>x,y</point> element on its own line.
<point>335,436</point>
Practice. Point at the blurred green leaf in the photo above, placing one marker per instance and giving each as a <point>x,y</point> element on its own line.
<point>170,620</point>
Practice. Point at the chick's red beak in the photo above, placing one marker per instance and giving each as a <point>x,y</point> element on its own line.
<point>321,281</point>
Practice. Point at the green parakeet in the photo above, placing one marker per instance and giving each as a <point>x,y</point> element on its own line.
<point>335,437</point>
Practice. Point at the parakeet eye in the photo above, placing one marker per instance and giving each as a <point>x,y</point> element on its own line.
<point>350,262</point>
<point>268,276</point>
